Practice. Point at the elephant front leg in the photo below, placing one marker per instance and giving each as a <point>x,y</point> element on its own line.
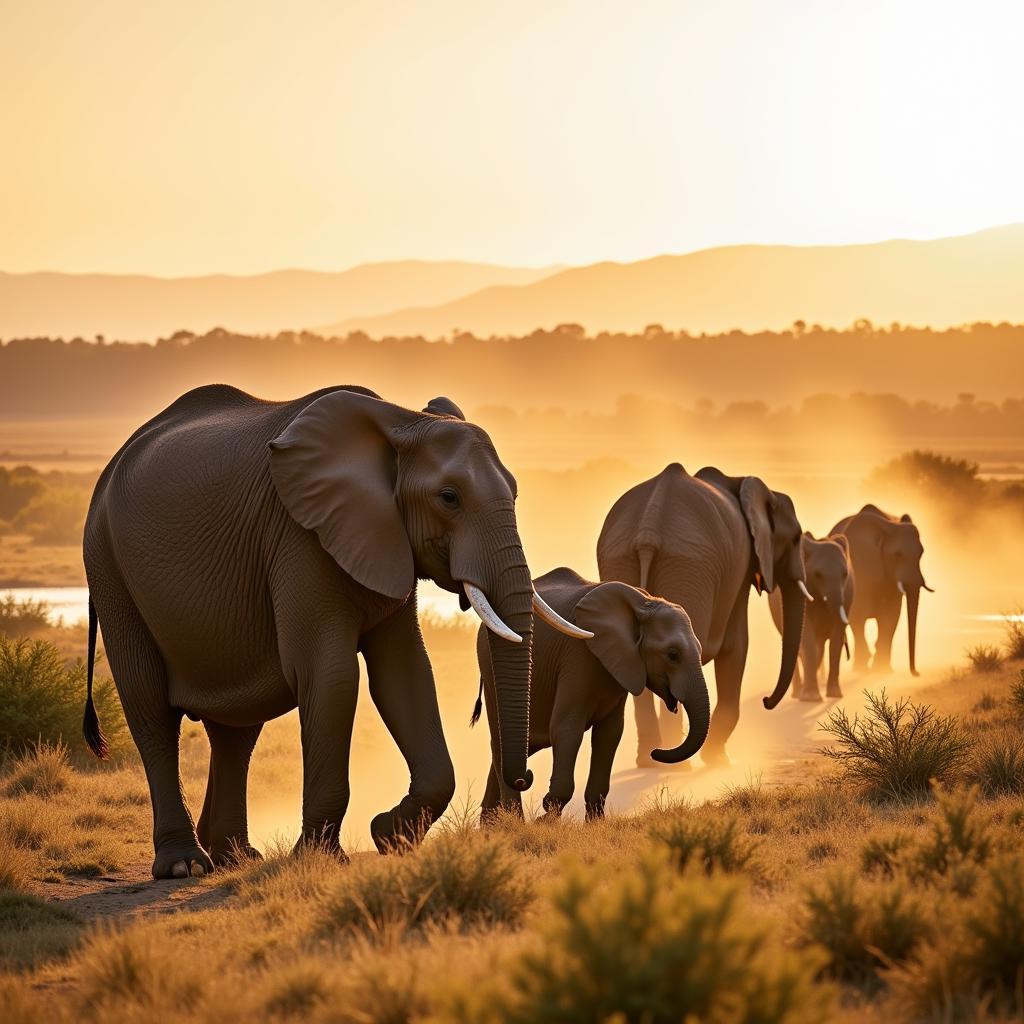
<point>223,826</point>
<point>402,688</point>
<point>604,742</point>
<point>810,657</point>
<point>327,708</point>
<point>729,666</point>
<point>648,734</point>
<point>566,737</point>
<point>835,650</point>
<point>861,652</point>
<point>887,621</point>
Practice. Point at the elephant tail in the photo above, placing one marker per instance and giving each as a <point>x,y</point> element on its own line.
<point>478,707</point>
<point>646,557</point>
<point>91,729</point>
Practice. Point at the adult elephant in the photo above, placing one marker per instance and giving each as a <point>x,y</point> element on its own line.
<point>886,555</point>
<point>701,542</point>
<point>241,553</point>
<point>830,580</point>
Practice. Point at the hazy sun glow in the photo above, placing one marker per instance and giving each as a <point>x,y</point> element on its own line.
<point>239,137</point>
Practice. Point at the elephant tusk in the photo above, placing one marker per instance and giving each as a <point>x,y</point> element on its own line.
<point>478,599</point>
<point>553,619</point>
<point>899,586</point>
<point>843,617</point>
<point>804,590</point>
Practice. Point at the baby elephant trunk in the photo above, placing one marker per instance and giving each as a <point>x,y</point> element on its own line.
<point>695,700</point>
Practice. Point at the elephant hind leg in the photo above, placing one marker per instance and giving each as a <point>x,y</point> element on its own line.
<point>223,827</point>
<point>141,678</point>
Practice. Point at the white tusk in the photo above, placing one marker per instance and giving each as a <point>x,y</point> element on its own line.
<point>478,599</point>
<point>843,616</point>
<point>804,590</point>
<point>899,586</point>
<point>552,618</point>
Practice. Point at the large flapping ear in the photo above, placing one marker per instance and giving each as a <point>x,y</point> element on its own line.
<point>442,406</point>
<point>757,502</point>
<point>842,540</point>
<point>611,611</point>
<point>335,469</point>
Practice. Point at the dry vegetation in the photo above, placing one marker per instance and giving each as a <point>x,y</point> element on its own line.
<point>868,893</point>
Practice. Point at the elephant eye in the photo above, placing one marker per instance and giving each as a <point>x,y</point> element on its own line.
<point>673,655</point>
<point>449,497</point>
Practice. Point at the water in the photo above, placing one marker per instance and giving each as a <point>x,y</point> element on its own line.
<point>71,604</point>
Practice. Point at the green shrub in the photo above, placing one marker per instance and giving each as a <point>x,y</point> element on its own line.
<point>862,928</point>
<point>959,839</point>
<point>897,748</point>
<point>711,843</point>
<point>467,879</point>
<point>55,516</point>
<point>997,763</point>
<point>42,698</point>
<point>882,854</point>
<point>23,618</point>
<point>648,944</point>
<point>984,657</point>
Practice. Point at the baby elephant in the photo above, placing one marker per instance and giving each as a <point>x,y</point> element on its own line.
<point>830,582</point>
<point>638,641</point>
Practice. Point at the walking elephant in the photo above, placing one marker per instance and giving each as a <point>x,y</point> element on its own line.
<point>702,541</point>
<point>886,556</point>
<point>633,641</point>
<point>240,554</point>
<point>831,583</point>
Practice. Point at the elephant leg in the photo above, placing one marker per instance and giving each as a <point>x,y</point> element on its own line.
<point>648,733</point>
<point>566,738</point>
<point>402,688</point>
<point>141,678</point>
<point>835,650</point>
<point>887,621</point>
<point>729,666</point>
<point>861,653</point>
<point>223,826</point>
<point>604,742</point>
<point>810,656</point>
<point>491,802</point>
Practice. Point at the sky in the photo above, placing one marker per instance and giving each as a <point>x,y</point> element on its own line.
<point>208,136</point>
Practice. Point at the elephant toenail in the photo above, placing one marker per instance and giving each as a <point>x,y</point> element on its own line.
<point>197,869</point>
<point>179,870</point>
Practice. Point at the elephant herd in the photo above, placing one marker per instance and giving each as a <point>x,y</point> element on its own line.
<point>241,554</point>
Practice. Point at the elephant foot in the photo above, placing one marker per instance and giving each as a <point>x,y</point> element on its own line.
<point>229,853</point>
<point>595,810</point>
<point>181,860</point>
<point>834,693</point>
<point>394,834</point>
<point>646,761</point>
<point>324,839</point>
<point>715,758</point>
<point>811,697</point>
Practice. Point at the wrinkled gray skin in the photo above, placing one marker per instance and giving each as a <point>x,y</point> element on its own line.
<point>831,583</point>
<point>702,541</point>
<point>885,552</point>
<point>241,553</point>
<point>639,641</point>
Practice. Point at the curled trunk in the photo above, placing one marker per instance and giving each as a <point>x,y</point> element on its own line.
<point>793,606</point>
<point>695,701</point>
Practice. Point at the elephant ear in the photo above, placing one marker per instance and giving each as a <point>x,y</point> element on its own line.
<point>842,540</point>
<point>442,406</point>
<point>905,518</point>
<point>335,469</point>
<point>757,502</point>
<point>611,611</point>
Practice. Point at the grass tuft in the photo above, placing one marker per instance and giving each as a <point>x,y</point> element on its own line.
<point>43,769</point>
<point>1013,635</point>
<point>896,749</point>
<point>997,763</point>
<point>17,866</point>
<point>712,843</point>
<point>1017,693</point>
<point>984,657</point>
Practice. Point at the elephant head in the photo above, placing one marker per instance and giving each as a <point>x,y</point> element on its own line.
<point>827,563</point>
<point>646,641</point>
<point>777,559</point>
<point>393,495</point>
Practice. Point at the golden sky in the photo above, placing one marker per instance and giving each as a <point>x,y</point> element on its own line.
<point>202,135</point>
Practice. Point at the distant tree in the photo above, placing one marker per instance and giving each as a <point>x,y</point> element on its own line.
<point>571,331</point>
<point>799,328</point>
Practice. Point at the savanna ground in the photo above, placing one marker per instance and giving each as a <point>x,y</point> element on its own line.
<point>790,887</point>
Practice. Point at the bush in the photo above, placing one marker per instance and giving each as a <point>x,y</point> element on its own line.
<point>882,854</point>
<point>56,516</point>
<point>466,879</point>
<point>1013,635</point>
<point>984,658</point>
<point>23,618</point>
<point>17,866</point>
<point>960,838</point>
<point>862,928</point>
<point>648,944</point>
<point>42,698</point>
<point>43,769</point>
<point>708,842</point>
<point>997,764</point>
<point>896,749</point>
<point>1017,693</point>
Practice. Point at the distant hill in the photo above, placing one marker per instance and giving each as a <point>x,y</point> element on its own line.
<point>949,281</point>
<point>140,308</point>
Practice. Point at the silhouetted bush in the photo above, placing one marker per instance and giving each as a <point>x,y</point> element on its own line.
<point>984,657</point>
<point>23,618</point>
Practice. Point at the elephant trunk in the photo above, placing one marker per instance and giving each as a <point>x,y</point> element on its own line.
<point>913,596</point>
<point>510,590</point>
<point>793,606</point>
<point>695,701</point>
